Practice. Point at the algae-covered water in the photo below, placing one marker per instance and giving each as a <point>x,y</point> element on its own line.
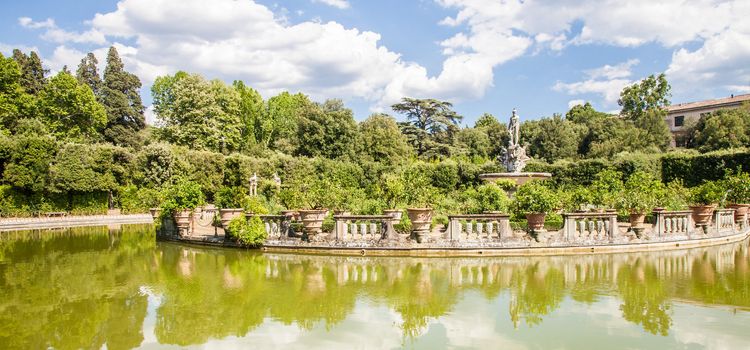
<point>116,287</point>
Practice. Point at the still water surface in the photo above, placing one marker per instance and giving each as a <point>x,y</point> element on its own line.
<point>118,288</point>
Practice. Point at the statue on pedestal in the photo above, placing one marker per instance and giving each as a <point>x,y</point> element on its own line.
<point>515,157</point>
<point>254,185</point>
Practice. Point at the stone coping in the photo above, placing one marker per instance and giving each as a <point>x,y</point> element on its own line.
<point>15,224</point>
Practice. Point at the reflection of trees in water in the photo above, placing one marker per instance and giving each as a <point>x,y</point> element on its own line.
<point>82,289</point>
<point>75,288</point>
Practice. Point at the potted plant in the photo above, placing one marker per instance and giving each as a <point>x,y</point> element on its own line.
<point>419,211</point>
<point>641,193</point>
<point>704,199</point>
<point>316,196</point>
<point>394,193</point>
<point>230,201</point>
<point>738,194</point>
<point>180,201</point>
<point>535,201</point>
<point>606,189</point>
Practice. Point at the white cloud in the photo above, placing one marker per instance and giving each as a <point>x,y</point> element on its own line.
<point>27,22</point>
<point>340,4</point>
<point>606,81</point>
<point>573,103</point>
<point>57,35</point>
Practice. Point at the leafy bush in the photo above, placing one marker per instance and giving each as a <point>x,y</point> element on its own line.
<point>641,193</point>
<point>255,205</point>
<point>250,232</point>
<point>675,196</point>
<point>181,196</point>
<point>709,192</point>
<point>230,197</point>
<point>737,186</point>
<point>607,188</point>
<point>489,197</point>
<point>695,169</point>
<point>137,200</point>
<point>534,197</point>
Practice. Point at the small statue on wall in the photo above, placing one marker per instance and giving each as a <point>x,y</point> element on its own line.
<point>254,185</point>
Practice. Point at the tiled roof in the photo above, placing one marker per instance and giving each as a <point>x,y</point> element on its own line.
<point>710,103</point>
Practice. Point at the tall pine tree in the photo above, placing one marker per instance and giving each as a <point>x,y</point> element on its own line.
<point>88,74</point>
<point>121,99</point>
<point>32,73</point>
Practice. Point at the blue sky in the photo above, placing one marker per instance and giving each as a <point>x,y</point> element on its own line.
<point>484,55</point>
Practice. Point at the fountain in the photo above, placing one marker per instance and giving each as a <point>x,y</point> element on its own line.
<point>515,158</point>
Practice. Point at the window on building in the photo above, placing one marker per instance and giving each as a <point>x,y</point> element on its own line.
<point>679,120</point>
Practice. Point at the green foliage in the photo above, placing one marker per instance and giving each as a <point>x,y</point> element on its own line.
<point>156,165</point>
<point>255,205</point>
<point>694,169</point>
<point>737,186</point>
<point>379,139</point>
<point>247,231</point>
<point>607,188</point>
<point>29,161</point>
<point>488,197</point>
<point>70,109</point>
<point>725,128</point>
<point>326,130</point>
<point>132,199</point>
<point>675,196</point>
<point>428,120</point>
<point>122,101</point>
<point>534,197</point>
<point>709,192</point>
<point>230,197</point>
<point>552,138</point>
<point>32,73</point>
<point>181,196</point>
<point>642,192</point>
<point>82,168</point>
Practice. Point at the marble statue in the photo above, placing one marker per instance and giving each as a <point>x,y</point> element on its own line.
<point>514,157</point>
<point>254,185</point>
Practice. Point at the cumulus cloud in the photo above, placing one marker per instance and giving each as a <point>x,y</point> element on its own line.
<point>54,34</point>
<point>340,4</point>
<point>606,81</point>
<point>573,103</point>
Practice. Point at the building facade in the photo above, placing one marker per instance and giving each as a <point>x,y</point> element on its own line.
<point>681,117</point>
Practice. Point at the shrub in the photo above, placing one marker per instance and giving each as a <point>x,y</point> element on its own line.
<point>489,197</point>
<point>137,200</point>
<point>534,197</point>
<point>250,232</point>
<point>675,196</point>
<point>737,186</point>
<point>255,205</point>
<point>230,197</point>
<point>641,193</point>
<point>607,188</point>
<point>695,169</point>
<point>181,196</point>
<point>709,192</point>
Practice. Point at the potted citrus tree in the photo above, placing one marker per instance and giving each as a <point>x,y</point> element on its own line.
<point>704,200</point>
<point>535,201</point>
<point>420,211</point>
<point>180,201</point>
<point>230,201</point>
<point>641,193</point>
<point>315,198</point>
<point>738,194</point>
<point>606,189</point>
<point>394,193</point>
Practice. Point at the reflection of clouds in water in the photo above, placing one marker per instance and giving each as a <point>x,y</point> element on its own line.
<point>703,326</point>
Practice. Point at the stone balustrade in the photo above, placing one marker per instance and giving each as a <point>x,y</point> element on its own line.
<point>673,223</point>
<point>590,227</point>
<point>724,221</point>
<point>479,227</point>
<point>363,227</point>
<point>277,226</point>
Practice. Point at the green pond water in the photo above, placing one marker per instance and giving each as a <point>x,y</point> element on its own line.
<point>117,287</point>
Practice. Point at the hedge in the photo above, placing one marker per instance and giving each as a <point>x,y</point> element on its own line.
<point>695,169</point>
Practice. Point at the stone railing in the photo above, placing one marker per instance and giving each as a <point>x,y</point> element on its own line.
<point>479,227</point>
<point>363,227</point>
<point>724,221</point>
<point>277,226</point>
<point>673,223</point>
<point>590,227</point>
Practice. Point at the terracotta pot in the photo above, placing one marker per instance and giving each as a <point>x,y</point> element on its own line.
<point>740,210</point>
<point>421,219</point>
<point>182,219</point>
<point>312,221</point>
<point>341,212</point>
<point>155,212</point>
<point>226,215</point>
<point>702,213</point>
<point>636,219</point>
<point>396,214</point>
<point>536,221</point>
<point>291,214</point>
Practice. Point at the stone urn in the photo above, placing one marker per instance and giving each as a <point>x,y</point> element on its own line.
<point>740,210</point>
<point>291,214</point>
<point>702,214</point>
<point>341,212</point>
<point>182,219</point>
<point>155,212</point>
<point>536,221</point>
<point>226,215</point>
<point>312,221</point>
<point>637,219</point>
<point>421,220</point>
<point>396,214</point>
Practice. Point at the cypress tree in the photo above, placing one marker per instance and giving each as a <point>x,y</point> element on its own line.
<point>32,72</point>
<point>121,99</point>
<point>88,74</point>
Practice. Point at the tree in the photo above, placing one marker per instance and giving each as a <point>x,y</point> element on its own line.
<point>278,127</point>
<point>426,118</point>
<point>496,131</point>
<point>552,138</point>
<point>380,140</point>
<point>32,73</point>
<point>32,152</point>
<point>14,101</point>
<point>70,109</point>
<point>197,113</point>
<point>251,109</point>
<point>121,99</point>
<point>645,105</point>
<point>584,114</point>
<point>88,74</point>
<point>327,130</point>
<point>725,128</point>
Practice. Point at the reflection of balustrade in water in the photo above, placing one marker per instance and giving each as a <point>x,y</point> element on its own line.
<point>363,227</point>
<point>478,227</point>
<point>590,226</point>
<point>673,223</point>
<point>277,226</point>
<point>724,220</point>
